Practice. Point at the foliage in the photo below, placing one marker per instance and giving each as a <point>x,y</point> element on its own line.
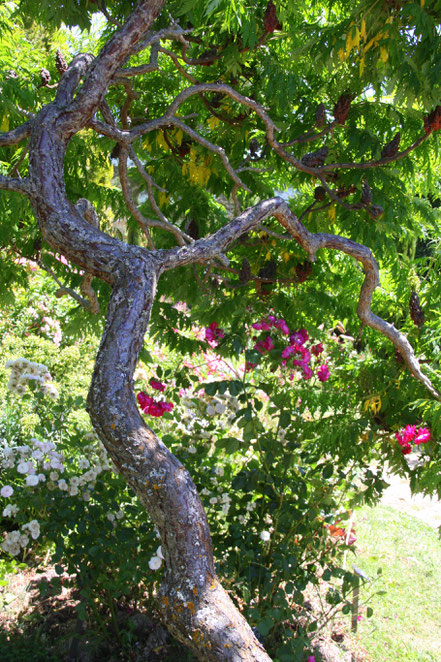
<point>275,458</point>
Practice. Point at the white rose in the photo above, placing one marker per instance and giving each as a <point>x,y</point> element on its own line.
<point>155,563</point>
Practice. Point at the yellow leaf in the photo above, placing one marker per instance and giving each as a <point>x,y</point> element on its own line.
<point>178,136</point>
<point>363,33</point>
<point>163,198</point>
<point>349,43</point>
<point>161,141</point>
<point>373,403</point>
<point>331,213</point>
<point>341,55</point>
<point>423,2</point>
<point>384,55</point>
<point>361,66</point>
<point>268,256</point>
<point>213,122</point>
<point>4,126</point>
<point>286,256</point>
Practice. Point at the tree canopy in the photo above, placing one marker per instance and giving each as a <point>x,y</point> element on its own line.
<point>241,158</point>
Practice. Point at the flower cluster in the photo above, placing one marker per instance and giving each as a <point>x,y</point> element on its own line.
<point>16,540</point>
<point>25,372</point>
<point>296,348</point>
<point>51,327</point>
<point>213,333</point>
<point>410,433</point>
<point>151,406</point>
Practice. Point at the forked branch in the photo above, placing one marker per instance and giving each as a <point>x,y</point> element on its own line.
<point>209,247</point>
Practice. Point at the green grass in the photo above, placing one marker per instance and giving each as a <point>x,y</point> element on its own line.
<point>406,624</point>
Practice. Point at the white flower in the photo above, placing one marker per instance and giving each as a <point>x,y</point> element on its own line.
<point>86,496</point>
<point>265,536</point>
<point>31,481</point>
<point>159,553</point>
<point>74,481</point>
<point>62,485</point>
<point>251,505</point>
<point>219,471</point>
<point>213,500</point>
<point>42,478</point>
<point>155,563</point>
<point>10,510</point>
<point>73,490</point>
<point>210,411</point>
<point>219,408</point>
<point>6,491</point>
<point>191,449</point>
<point>33,527</point>
<point>119,514</point>
<point>225,508</point>
<point>241,519</point>
<point>37,454</point>
<point>205,492</point>
<point>110,517</point>
<point>23,540</point>
<point>54,475</point>
<point>22,467</point>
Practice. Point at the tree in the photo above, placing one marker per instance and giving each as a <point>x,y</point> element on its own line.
<point>194,113</point>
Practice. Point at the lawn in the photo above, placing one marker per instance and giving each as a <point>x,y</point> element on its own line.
<point>406,624</point>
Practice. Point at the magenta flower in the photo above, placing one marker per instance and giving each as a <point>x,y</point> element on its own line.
<point>282,325</point>
<point>264,346</point>
<point>299,337</point>
<point>406,449</point>
<point>158,386</point>
<point>311,658</point>
<point>307,372</point>
<point>213,332</point>
<point>422,436</point>
<point>286,353</point>
<point>323,373</point>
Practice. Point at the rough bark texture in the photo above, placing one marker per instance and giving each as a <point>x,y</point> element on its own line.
<point>196,608</point>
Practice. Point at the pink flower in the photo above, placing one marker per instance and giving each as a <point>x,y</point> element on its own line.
<point>311,658</point>
<point>406,449</point>
<point>323,373</point>
<point>287,352</point>
<point>249,366</point>
<point>158,386</point>
<point>317,349</point>
<point>282,325</point>
<point>422,436</point>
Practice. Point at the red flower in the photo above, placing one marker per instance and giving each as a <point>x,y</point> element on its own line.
<point>144,400</point>
<point>317,349</point>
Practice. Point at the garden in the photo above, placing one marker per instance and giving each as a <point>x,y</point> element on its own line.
<point>220,330</point>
